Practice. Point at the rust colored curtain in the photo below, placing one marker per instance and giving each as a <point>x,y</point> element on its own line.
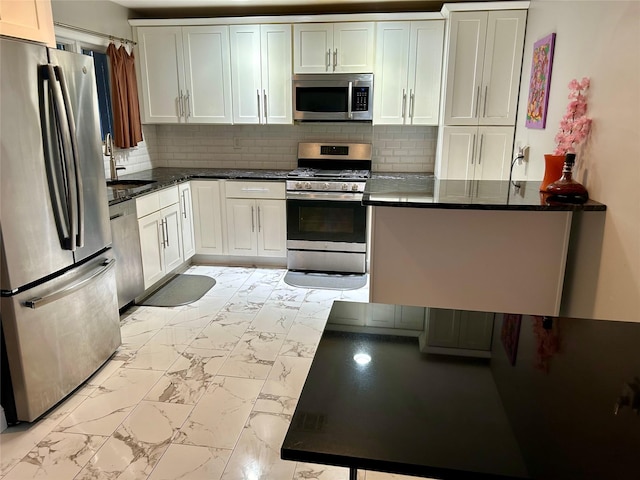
<point>127,128</point>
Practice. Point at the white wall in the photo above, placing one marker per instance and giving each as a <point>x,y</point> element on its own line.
<point>97,15</point>
<point>600,40</point>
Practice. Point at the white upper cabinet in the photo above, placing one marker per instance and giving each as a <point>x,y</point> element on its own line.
<point>346,47</point>
<point>476,153</point>
<point>261,73</point>
<point>28,19</point>
<point>483,67</point>
<point>185,74</point>
<point>408,69</point>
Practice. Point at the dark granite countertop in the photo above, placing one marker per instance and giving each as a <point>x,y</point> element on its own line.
<point>543,406</point>
<point>426,191</point>
<point>164,177</point>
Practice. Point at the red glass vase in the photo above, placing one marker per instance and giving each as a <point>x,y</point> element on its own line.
<point>566,189</point>
<point>552,170</point>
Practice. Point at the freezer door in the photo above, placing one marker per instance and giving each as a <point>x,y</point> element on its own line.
<point>31,240</point>
<point>94,231</point>
<point>59,333</point>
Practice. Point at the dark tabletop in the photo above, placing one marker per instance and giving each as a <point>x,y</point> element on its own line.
<point>426,191</point>
<point>542,407</point>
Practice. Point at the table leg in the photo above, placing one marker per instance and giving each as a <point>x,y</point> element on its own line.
<point>353,473</point>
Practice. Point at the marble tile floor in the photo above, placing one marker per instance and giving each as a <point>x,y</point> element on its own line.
<point>201,391</point>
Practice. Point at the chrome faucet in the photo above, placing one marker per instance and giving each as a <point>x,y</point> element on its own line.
<point>108,151</point>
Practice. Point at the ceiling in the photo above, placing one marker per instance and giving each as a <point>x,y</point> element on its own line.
<point>205,8</point>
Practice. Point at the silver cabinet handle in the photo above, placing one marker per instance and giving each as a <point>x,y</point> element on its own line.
<point>480,149</point>
<point>328,59</point>
<point>258,96</point>
<point>187,105</point>
<point>404,101</point>
<point>259,222</point>
<point>63,292</point>
<point>254,189</point>
<point>411,102</point>
<point>253,224</point>
<point>163,241</point>
<point>477,101</point>
<point>484,108</point>
<point>264,105</point>
<point>184,204</point>
<point>166,226</point>
<point>335,59</point>
<point>349,101</point>
<point>473,152</point>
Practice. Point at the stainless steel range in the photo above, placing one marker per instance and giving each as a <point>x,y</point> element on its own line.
<point>326,221</point>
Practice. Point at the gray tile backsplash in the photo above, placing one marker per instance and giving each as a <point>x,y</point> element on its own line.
<point>395,148</point>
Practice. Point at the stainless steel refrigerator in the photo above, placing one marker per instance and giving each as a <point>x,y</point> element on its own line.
<point>59,309</point>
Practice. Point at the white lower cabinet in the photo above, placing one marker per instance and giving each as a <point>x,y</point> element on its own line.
<point>207,213</point>
<point>160,234</point>
<point>186,221</point>
<point>256,218</point>
<point>459,329</point>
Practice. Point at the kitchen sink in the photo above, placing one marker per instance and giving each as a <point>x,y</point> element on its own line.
<point>127,184</point>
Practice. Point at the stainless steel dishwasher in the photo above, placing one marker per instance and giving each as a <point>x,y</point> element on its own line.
<point>126,248</point>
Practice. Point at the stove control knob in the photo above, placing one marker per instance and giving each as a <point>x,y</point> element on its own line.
<point>345,186</point>
<point>298,185</point>
<point>325,185</point>
<point>307,185</point>
<point>354,187</point>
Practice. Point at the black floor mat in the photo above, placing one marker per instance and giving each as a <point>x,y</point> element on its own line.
<point>180,290</point>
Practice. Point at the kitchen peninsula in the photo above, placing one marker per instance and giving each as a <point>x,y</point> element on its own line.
<point>472,245</point>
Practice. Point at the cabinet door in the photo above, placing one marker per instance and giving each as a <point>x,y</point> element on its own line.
<point>390,92</point>
<point>161,73</point>
<point>272,228</point>
<point>494,153</point>
<point>28,19</point>
<point>457,161</point>
<point>186,221</point>
<point>207,217</point>
<point>246,73</point>
<point>275,45</point>
<point>241,226</point>
<point>502,66</point>
<point>151,246</point>
<point>467,32</point>
<point>425,70</point>
<point>207,87</point>
<point>312,47</point>
<point>173,237</point>
<point>476,330</point>
<point>353,47</point>
<point>443,328</point>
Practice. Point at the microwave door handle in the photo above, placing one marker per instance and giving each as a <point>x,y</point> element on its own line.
<point>349,100</point>
<point>65,143</point>
<point>76,157</point>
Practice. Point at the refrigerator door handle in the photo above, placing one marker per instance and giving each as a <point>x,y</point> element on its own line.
<point>69,170</point>
<point>76,158</point>
<point>68,290</point>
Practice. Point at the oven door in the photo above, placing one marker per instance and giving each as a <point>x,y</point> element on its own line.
<point>319,219</point>
<point>326,232</point>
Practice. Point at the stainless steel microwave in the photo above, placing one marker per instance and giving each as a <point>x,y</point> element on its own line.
<point>333,97</point>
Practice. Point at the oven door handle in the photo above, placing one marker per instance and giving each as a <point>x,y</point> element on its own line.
<point>336,196</point>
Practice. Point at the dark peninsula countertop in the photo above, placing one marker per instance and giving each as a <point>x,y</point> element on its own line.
<point>426,191</point>
<point>166,176</point>
<point>557,399</point>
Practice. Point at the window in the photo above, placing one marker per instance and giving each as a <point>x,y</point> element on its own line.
<point>101,66</point>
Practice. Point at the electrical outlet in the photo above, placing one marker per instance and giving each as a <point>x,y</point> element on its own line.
<point>236,142</point>
<point>523,153</point>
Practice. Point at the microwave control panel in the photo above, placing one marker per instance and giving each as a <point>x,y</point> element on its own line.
<point>360,99</point>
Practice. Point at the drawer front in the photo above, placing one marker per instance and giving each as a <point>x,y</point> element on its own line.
<point>147,204</point>
<point>168,196</point>
<point>255,189</point>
